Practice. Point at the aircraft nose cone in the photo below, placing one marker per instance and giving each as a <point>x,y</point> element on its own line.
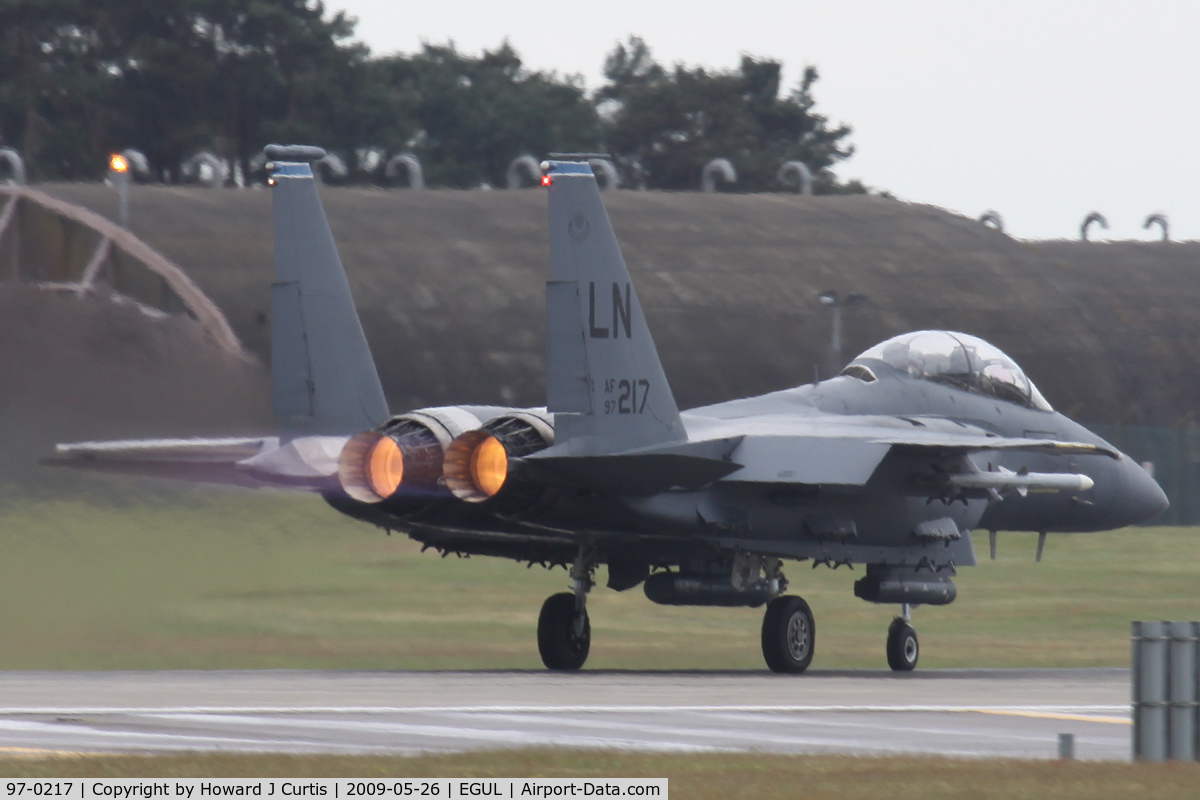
<point>1142,498</point>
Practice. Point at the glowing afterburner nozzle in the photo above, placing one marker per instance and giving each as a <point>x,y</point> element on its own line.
<point>371,467</point>
<point>118,163</point>
<point>476,466</point>
<point>489,465</point>
<point>385,470</point>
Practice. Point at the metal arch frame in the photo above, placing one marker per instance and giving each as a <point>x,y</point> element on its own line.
<point>1096,217</point>
<point>602,166</point>
<point>992,219</point>
<point>1160,220</point>
<point>15,163</point>
<point>531,165</point>
<point>137,161</point>
<point>803,176</point>
<point>718,166</point>
<point>331,163</point>
<point>412,165</point>
<point>194,163</point>
<point>113,236</point>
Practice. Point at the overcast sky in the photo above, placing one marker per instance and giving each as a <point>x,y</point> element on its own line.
<point>1043,111</point>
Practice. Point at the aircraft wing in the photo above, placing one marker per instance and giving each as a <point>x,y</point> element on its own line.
<point>847,456</point>
<point>850,458</point>
<point>308,462</point>
<point>969,443</point>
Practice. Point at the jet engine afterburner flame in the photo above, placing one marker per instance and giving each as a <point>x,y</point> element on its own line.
<point>371,467</point>
<point>401,460</point>
<point>476,464</point>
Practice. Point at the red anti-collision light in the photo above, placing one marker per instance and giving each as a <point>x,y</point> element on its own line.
<point>546,180</point>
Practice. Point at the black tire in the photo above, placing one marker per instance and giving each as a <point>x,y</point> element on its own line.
<point>789,635</point>
<point>903,649</point>
<point>559,644</point>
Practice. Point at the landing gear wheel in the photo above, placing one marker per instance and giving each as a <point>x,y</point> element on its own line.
<point>788,634</point>
<point>902,646</point>
<point>562,642</point>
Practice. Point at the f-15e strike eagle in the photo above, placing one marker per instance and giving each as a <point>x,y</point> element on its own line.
<point>890,464</point>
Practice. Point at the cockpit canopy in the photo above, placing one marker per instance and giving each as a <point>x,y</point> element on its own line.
<point>958,360</point>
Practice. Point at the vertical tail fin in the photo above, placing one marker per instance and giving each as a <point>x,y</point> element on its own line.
<point>604,381</point>
<point>323,378</point>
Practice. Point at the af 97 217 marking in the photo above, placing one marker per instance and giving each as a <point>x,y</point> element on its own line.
<point>631,395</point>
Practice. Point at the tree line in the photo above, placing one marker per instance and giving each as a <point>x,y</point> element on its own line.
<point>80,79</point>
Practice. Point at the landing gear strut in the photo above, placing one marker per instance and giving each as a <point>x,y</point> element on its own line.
<point>564,633</point>
<point>903,649</point>
<point>788,634</point>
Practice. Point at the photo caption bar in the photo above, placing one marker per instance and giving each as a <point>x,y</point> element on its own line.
<point>335,788</point>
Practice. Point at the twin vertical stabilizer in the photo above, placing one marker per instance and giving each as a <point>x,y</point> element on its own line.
<point>323,377</point>
<point>604,382</point>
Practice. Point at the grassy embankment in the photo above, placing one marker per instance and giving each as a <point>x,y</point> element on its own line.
<point>718,776</point>
<point>209,579</point>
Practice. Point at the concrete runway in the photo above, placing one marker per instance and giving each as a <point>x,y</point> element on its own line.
<point>963,713</point>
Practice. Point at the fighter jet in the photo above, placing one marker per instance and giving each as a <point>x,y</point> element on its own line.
<point>890,464</point>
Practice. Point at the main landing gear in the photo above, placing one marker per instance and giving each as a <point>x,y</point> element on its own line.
<point>564,634</point>
<point>788,634</point>
<point>903,649</point>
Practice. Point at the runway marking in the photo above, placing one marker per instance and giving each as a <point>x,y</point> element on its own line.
<point>757,736</point>
<point>659,738</point>
<point>698,729</point>
<point>439,731</point>
<point>85,734</point>
<point>1051,715</point>
<point>546,709</point>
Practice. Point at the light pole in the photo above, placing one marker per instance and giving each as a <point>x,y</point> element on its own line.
<point>118,168</point>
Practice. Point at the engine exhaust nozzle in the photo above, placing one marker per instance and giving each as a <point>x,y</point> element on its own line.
<point>371,467</point>
<point>476,466</point>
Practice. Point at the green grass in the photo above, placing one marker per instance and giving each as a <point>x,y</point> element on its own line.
<point>228,579</point>
<point>718,775</point>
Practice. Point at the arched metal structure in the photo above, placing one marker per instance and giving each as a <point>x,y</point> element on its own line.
<point>205,169</point>
<point>61,247</point>
<point>992,219</point>
<point>1161,221</point>
<point>1095,217</point>
<point>531,167</point>
<point>330,166</point>
<point>602,166</point>
<point>798,173</point>
<point>411,166</point>
<point>138,163</point>
<point>16,165</point>
<point>718,166</point>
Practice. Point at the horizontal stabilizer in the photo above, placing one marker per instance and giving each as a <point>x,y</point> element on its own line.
<point>307,462</point>
<point>195,460</point>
